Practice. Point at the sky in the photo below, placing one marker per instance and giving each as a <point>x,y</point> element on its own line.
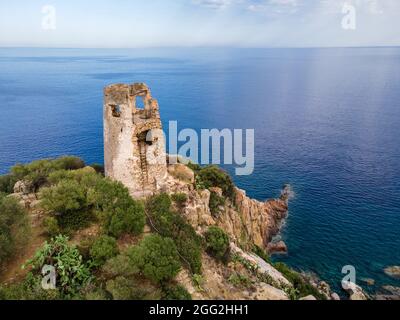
<point>199,23</point>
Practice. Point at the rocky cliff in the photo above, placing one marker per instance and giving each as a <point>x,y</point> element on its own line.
<point>248,222</point>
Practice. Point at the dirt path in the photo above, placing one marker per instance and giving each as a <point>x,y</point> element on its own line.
<point>12,271</point>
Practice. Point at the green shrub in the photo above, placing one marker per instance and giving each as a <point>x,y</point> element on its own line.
<point>130,220</point>
<point>122,288</point>
<point>179,198</point>
<point>84,246</point>
<point>194,166</point>
<point>170,224</point>
<point>99,168</point>
<point>67,201</point>
<point>72,273</point>
<point>217,242</point>
<point>14,227</point>
<point>60,175</point>
<point>302,287</point>
<point>176,292</point>
<point>66,196</point>
<point>159,204</point>
<point>216,201</point>
<point>198,281</point>
<point>156,257</point>
<point>87,177</point>
<point>103,248</point>
<point>94,293</point>
<point>7,183</point>
<point>29,289</point>
<point>116,209</point>
<point>77,197</point>
<point>51,226</point>
<point>261,253</point>
<point>109,195</point>
<point>38,171</point>
<point>188,242</point>
<point>120,266</point>
<point>69,163</point>
<point>240,280</point>
<point>213,176</point>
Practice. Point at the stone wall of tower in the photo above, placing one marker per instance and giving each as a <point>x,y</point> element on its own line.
<point>134,145</point>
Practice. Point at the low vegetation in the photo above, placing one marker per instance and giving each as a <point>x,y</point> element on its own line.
<point>240,280</point>
<point>73,197</point>
<point>28,289</point>
<point>176,292</point>
<point>122,288</point>
<point>14,227</point>
<point>216,201</point>
<point>77,198</point>
<point>156,258</point>
<point>261,253</point>
<point>94,267</point>
<point>302,288</point>
<point>170,224</point>
<point>213,176</point>
<point>180,199</point>
<point>217,243</point>
<point>103,249</point>
<point>145,271</point>
<point>37,172</point>
<point>67,202</point>
<point>72,273</point>
<point>7,183</point>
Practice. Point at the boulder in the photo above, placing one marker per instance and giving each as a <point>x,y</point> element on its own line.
<point>392,290</point>
<point>389,293</point>
<point>277,247</point>
<point>386,297</point>
<point>261,266</point>
<point>286,193</point>
<point>181,172</point>
<point>309,298</point>
<point>393,272</point>
<point>368,281</point>
<point>24,187</point>
<point>335,296</point>
<point>267,292</point>
<point>355,292</point>
<point>217,190</point>
<point>28,200</point>
<point>324,288</point>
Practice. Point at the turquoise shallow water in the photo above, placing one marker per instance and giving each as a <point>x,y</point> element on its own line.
<point>326,121</point>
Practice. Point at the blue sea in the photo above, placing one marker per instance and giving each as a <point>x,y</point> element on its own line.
<point>327,121</point>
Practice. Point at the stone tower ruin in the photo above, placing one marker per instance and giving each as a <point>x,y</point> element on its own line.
<point>134,145</point>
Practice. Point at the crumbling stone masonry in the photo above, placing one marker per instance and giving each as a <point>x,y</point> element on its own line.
<point>134,145</point>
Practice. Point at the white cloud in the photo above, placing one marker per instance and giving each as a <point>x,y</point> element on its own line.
<point>273,6</point>
<point>214,4</point>
<point>372,7</point>
<point>284,2</point>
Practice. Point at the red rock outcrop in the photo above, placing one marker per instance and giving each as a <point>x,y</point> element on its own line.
<point>245,220</point>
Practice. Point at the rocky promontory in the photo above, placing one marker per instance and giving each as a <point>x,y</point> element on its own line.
<point>247,221</point>
<point>193,207</point>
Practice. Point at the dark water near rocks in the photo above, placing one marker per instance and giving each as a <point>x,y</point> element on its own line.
<point>327,121</point>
